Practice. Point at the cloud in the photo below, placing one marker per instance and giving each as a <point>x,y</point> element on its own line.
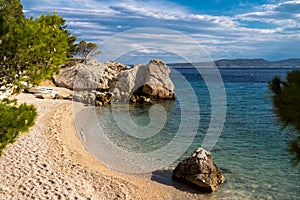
<point>150,51</point>
<point>284,14</point>
<point>252,33</point>
<point>90,25</point>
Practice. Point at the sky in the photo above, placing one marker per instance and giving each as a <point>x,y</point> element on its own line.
<point>223,29</point>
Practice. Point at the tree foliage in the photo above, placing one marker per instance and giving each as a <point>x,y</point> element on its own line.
<point>286,104</point>
<point>12,10</point>
<point>87,49</point>
<point>14,120</point>
<point>31,49</point>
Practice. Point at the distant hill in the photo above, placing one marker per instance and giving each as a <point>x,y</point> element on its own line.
<point>243,63</point>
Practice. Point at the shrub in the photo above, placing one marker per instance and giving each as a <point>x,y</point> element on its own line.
<point>14,119</point>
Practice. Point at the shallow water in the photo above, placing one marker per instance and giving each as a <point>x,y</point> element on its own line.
<point>250,149</point>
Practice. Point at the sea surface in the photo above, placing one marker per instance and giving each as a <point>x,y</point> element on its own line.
<point>251,148</point>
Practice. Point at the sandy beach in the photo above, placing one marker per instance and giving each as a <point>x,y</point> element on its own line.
<point>49,162</point>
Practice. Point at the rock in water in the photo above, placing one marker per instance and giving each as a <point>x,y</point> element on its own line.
<point>200,170</point>
<point>144,81</point>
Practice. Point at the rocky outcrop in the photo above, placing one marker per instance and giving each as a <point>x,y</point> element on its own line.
<point>90,76</point>
<point>102,83</point>
<point>144,82</point>
<point>80,76</point>
<point>199,170</point>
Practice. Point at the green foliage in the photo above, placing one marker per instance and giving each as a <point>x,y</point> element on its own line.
<point>14,120</point>
<point>33,49</point>
<point>11,10</point>
<point>87,49</point>
<point>286,104</point>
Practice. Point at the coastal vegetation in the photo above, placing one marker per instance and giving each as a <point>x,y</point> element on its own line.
<point>286,98</point>
<point>31,50</point>
<point>14,120</point>
<point>87,50</point>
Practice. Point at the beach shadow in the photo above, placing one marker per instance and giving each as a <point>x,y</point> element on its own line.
<point>165,177</point>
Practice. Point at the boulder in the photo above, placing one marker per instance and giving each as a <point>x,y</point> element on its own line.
<point>80,76</point>
<point>112,69</point>
<point>67,76</point>
<point>146,81</point>
<point>90,76</point>
<point>199,170</point>
<point>117,82</point>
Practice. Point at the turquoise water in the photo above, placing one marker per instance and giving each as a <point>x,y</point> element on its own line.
<point>251,148</point>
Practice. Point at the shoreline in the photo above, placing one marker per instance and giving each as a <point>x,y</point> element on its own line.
<point>50,161</point>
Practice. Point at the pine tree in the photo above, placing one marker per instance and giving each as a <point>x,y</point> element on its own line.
<point>33,50</point>
<point>286,106</point>
<point>12,10</point>
<point>87,49</point>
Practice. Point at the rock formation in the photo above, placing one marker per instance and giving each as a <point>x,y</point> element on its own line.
<point>80,76</point>
<point>200,170</point>
<point>144,82</point>
<point>102,83</point>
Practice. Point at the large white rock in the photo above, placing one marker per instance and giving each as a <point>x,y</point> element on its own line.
<point>80,76</point>
<point>149,81</point>
<point>140,83</point>
<point>90,76</point>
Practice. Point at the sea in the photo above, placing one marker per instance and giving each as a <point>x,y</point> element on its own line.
<point>250,147</point>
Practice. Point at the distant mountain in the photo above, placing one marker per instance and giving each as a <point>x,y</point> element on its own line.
<point>243,63</point>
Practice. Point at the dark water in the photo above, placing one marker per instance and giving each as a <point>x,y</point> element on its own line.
<point>251,148</point>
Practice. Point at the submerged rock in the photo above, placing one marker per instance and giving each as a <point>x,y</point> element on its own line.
<point>200,170</point>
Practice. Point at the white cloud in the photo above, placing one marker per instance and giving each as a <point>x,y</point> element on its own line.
<point>276,14</point>
<point>91,25</point>
<point>97,20</point>
<point>150,51</point>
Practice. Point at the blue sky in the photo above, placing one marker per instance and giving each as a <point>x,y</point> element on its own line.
<point>267,29</point>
